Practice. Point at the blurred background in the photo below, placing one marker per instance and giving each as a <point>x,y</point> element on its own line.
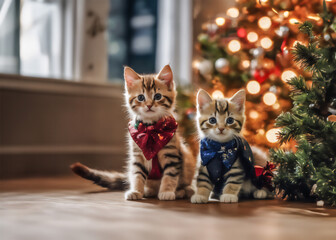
<point>61,66</point>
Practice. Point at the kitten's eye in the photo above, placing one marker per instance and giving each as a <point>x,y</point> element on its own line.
<point>229,120</point>
<point>212,120</point>
<point>157,96</point>
<point>141,98</point>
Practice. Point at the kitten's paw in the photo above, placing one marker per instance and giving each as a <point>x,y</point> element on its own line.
<point>228,198</point>
<point>166,196</point>
<point>133,195</point>
<point>260,194</point>
<point>197,198</point>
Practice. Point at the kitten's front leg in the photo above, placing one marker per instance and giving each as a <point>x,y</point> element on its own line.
<point>204,187</point>
<point>171,171</point>
<point>230,192</point>
<point>137,177</point>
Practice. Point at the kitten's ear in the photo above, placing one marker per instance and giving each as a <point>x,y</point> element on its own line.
<point>239,100</point>
<point>130,76</point>
<point>203,98</point>
<point>166,75</point>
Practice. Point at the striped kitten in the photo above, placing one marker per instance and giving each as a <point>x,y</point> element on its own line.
<point>221,120</point>
<point>150,98</point>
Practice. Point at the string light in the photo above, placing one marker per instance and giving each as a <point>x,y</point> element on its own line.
<point>272,135</point>
<point>266,43</point>
<point>287,74</point>
<point>234,46</point>
<point>195,64</point>
<point>269,98</point>
<point>253,87</point>
<point>293,21</point>
<point>217,94</point>
<point>264,23</point>
<point>252,37</point>
<point>233,12</point>
<point>262,2</point>
<point>254,114</point>
<point>276,106</point>
<point>261,131</point>
<point>245,63</point>
<point>286,14</point>
<point>316,18</point>
<point>220,21</point>
<point>296,42</point>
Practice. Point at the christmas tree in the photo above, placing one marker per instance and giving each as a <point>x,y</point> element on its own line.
<point>309,172</point>
<point>249,46</point>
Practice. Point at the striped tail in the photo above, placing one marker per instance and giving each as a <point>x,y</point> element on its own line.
<point>110,180</point>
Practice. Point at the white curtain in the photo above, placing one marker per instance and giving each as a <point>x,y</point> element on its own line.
<point>174,44</point>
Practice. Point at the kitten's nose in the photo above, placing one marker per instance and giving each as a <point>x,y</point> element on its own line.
<point>221,129</point>
<point>149,106</point>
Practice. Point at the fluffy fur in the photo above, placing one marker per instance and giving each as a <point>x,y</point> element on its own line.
<point>236,183</point>
<point>149,98</point>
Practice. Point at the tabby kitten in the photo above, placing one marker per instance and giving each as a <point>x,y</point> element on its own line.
<point>220,121</point>
<point>150,99</point>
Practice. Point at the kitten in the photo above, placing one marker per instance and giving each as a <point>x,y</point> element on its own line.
<point>220,122</point>
<point>150,100</point>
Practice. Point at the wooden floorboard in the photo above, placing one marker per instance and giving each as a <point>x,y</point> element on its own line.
<point>72,208</point>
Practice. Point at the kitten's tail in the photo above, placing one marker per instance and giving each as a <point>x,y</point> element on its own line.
<point>110,180</point>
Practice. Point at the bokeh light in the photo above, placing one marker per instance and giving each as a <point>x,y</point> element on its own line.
<point>264,23</point>
<point>234,46</point>
<point>220,21</point>
<point>253,87</point>
<point>266,43</point>
<point>269,98</point>
<point>287,74</point>
<point>252,37</point>
<point>272,135</point>
<point>217,94</point>
<point>254,114</point>
<point>233,12</point>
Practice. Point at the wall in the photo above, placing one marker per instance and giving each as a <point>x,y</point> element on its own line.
<point>45,125</point>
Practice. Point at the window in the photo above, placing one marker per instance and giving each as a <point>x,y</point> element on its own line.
<point>9,36</point>
<point>67,38</point>
<point>132,36</point>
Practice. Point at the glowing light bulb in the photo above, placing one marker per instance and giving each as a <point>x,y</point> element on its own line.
<point>261,131</point>
<point>287,74</point>
<point>195,64</point>
<point>314,17</point>
<point>245,63</point>
<point>272,135</point>
<point>276,106</point>
<point>252,37</point>
<point>254,114</point>
<point>266,43</point>
<point>220,21</point>
<point>296,42</point>
<point>217,94</point>
<point>253,87</point>
<point>234,46</point>
<point>264,23</point>
<point>262,2</point>
<point>233,12</point>
<point>269,98</point>
<point>286,14</point>
<point>293,21</point>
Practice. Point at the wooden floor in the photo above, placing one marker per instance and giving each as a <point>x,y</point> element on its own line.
<point>71,208</point>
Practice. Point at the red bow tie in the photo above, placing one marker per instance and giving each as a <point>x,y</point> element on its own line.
<point>152,138</point>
